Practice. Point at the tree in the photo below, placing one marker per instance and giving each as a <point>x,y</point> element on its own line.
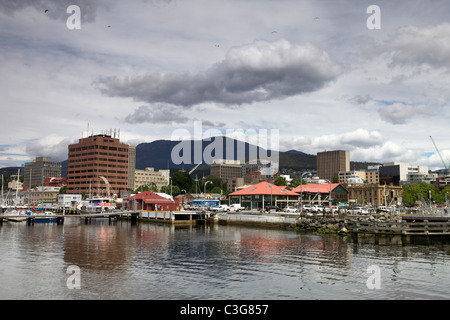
<point>183,180</point>
<point>420,192</point>
<point>216,184</point>
<point>174,190</point>
<point>280,181</point>
<point>146,187</point>
<point>63,190</point>
<point>296,182</point>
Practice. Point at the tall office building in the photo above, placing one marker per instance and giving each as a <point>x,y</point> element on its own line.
<point>150,177</point>
<point>330,163</point>
<point>131,166</point>
<point>98,165</point>
<point>38,170</point>
<point>226,169</point>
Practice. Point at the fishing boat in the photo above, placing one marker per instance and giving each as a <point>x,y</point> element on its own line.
<point>96,206</point>
<point>45,216</point>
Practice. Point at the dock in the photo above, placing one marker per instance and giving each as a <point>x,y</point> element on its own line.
<point>409,226</point>
<point>261,220</point>
<point>173,217</point>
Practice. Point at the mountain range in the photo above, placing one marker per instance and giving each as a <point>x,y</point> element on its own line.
<point>158,154</point>
<point>163,154</point>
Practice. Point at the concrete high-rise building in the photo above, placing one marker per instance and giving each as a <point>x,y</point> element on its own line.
<point>150,177</point>
<point>330,163</point>
<point>37,171</point>
<point>396,173</point>
<point>226,169</point>
<point>95,159</point>
<point>131,166</point>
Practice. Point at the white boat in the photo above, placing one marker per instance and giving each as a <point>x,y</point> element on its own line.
<point>15,215</point>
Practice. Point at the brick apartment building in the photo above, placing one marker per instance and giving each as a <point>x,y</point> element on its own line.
<point>95,157</point>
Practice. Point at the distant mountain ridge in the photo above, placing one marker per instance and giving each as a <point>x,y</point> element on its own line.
<point>158,154</point>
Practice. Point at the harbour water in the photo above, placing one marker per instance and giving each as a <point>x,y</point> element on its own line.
<point>161,262</point>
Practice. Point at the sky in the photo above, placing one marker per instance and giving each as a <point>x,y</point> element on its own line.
<point>326,75</point>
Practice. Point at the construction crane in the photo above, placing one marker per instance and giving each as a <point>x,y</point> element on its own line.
<point>108,187</point>
<point>446,167</point>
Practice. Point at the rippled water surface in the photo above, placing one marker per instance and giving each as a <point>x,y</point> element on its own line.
<point>155,261</point>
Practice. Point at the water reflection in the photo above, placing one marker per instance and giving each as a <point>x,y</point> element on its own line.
<point>157,261</point>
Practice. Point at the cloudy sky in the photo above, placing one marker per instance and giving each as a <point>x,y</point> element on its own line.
<point>317,71</point>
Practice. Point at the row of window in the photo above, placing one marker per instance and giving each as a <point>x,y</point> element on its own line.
<point>87,182</point>
<point>115,155</point>
<point>98,147</point>
<point>97,165</point>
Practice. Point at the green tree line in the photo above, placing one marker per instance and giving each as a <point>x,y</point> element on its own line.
<point>417,193</point>
<point>182,182</point>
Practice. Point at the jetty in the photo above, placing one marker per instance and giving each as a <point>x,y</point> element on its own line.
<point>173,217</point>
<point>406,226</point>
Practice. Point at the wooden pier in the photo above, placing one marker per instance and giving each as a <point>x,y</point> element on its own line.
<point>173,217</point>
<point>414,225</point>
<point>410,230</point>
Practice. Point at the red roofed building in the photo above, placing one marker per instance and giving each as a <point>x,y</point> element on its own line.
<point>318,193</point>
<point>264,194</point>
<point>55,182</point>
<point>149,201</point>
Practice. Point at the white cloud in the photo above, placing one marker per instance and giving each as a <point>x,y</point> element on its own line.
<point>420,46</point>
<point>186,60</point>
<point>400,113</point>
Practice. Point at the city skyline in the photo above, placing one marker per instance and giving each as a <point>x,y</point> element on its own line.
<point>314,70</point>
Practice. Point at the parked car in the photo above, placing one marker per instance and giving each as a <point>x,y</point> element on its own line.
<point>290,209</point>
<point>383,209</point>
<point>357,210</point>
<point>220,208</point>
<point>332,209</point>
<point>272,208</point>
<point>235,207</point>
<point>316,208</point>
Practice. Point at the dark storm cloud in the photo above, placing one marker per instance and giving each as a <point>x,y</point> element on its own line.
<point>260,71</point>
<point>165,114</point>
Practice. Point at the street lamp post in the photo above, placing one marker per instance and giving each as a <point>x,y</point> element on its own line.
<point>329,197</point>
<point>301,191</point>
<point>271,189</point>
<point>209,181</point>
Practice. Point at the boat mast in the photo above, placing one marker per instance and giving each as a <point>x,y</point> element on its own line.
<point>17,186</point>
<point>2,192</point>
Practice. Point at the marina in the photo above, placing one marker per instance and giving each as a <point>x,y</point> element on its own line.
<point>160,261</point>
<point>408,226</point>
